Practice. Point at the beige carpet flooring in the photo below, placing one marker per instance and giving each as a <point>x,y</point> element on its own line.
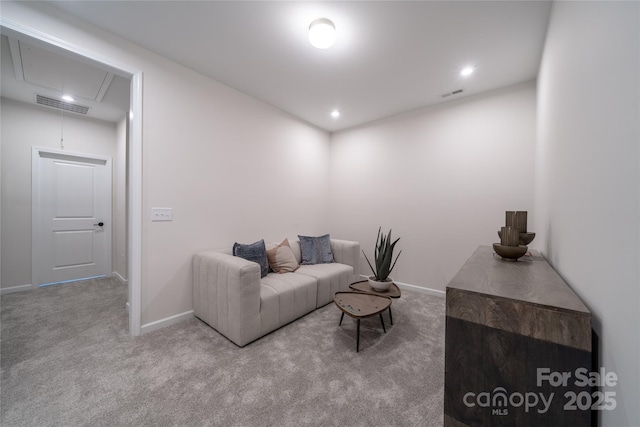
<point>67,360</point>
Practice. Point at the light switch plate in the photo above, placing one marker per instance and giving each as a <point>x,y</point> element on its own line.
<point>161,214</point>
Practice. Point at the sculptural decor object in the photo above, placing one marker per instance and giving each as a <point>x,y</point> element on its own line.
<point>514,237</point>
<point>518,219</point>
<point>510,253</point>
<point>525,238</point>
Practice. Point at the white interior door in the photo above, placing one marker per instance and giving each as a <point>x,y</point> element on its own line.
<point>71,216</point>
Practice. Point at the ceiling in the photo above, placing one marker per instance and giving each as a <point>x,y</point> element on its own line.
<point>389,57</point>
<point>28,71</point>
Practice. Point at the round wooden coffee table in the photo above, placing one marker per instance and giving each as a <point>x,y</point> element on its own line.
<point>360,305</point>
<point>364,286</point>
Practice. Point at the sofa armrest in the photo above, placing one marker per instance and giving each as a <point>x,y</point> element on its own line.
<point>226,295</point>
<point>347,252</point>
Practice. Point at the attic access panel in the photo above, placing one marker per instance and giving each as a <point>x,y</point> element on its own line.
<point>49,70</point>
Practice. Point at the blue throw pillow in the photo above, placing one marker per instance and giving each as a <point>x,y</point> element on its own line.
<point>256,252</point>
<point>315,250</point>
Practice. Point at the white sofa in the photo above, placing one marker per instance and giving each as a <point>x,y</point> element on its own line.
<point>230,296</point>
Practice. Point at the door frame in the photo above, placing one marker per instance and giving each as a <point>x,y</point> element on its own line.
<point>35,203</point>
<point>134,218</point>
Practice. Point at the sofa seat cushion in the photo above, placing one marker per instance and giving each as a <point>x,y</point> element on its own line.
<point>284,298</point>
<point>331,278</point>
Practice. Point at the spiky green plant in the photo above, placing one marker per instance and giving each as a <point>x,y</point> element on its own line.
<point>383,254</point>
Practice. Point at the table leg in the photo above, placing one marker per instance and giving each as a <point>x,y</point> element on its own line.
<point>341,317</point>
<point>382,321</point>
<point>358,338</point>
<point>390,315</point>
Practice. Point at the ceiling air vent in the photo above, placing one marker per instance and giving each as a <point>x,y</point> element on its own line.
<point>61,105</point>
<point>455,92</point>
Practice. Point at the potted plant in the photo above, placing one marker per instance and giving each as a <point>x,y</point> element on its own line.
<point>383,255</point>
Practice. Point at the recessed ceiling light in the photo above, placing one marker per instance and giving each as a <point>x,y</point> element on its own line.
<point>322,33</point>
<point>335,114</point>
<point>68,98</point>
<point>467,71</point>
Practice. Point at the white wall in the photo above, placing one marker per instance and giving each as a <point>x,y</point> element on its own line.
<point>441,178</point>
<point>231,167</point>
<point>119,215</point>
<point>587,177</point>
<point>23,126</point>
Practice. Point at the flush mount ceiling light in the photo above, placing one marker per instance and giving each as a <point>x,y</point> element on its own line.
<point>322,33</point>
<point>467,71</point>
<point>335,114</point>
<point>67,98</point>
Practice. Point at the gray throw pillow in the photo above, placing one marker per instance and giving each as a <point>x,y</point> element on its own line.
<point>315,250</point>
<point>256,252</point>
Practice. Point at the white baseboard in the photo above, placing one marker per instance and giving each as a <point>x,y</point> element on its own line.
<point>20,288</point>
<point>120,278</point>
<point>168,321</point>
<point>421,289</point>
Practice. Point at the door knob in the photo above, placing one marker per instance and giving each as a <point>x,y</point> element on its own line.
<point>100,224</point>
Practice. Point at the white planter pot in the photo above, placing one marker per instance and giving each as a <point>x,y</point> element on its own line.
<point>380,286</point>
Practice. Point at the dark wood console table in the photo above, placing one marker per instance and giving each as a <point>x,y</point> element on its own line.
<point>510,326</point>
